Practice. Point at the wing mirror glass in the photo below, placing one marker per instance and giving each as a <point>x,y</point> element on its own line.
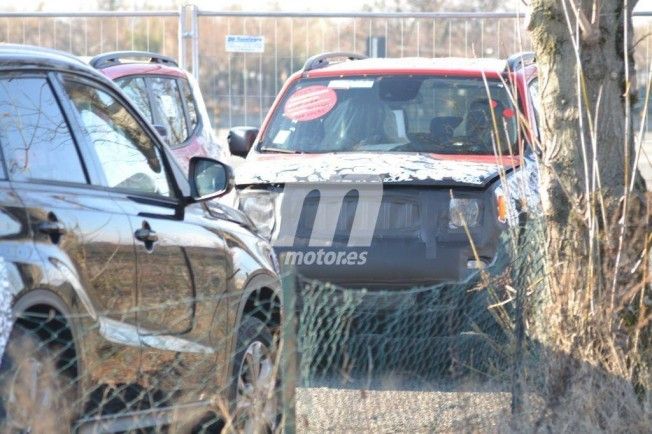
<point>209,179</point>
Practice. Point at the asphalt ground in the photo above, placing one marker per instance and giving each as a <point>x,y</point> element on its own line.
<point>417,408</point>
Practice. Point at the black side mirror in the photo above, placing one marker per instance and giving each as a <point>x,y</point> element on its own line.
<point>209,179</point>
<point>240,140</point>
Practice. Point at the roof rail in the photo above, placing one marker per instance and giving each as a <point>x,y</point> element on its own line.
<point>113,58</point>
<point>520,60</point>
<point>322,60</point>
<point>37,49</point>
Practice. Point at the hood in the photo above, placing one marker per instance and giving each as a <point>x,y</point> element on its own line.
<point>392,168</point>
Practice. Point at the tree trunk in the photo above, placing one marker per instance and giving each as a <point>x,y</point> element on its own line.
<point>587,147</point>
<point>593,234</point>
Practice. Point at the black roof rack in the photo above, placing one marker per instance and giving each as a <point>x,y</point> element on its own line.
<point>520,60</point>
<point>322,60</point>
<point>113,58</point>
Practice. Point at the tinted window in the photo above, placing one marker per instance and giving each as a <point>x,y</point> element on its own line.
<point>169,106</point>
<point>136,90</point>
<point>191,106</point>
<point>128,157</point>
<point>34,135</point>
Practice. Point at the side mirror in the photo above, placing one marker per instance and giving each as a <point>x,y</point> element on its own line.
<point>209,179</point>
<point>240,140</point>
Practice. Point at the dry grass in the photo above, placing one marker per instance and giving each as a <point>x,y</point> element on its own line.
<point>32,391</point>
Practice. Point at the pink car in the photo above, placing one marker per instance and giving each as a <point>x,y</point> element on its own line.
<point>168,97</point>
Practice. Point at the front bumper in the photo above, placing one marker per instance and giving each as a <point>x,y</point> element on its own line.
<point>388,264</point>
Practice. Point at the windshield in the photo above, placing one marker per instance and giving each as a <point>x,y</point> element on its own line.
<point>437,114</point>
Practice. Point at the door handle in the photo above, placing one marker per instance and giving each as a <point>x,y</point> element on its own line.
<point>146,235</point>
<point>51,228</point>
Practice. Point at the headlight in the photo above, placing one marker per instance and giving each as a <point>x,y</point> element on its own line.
<point>463,212</point>
<point>259,206</point>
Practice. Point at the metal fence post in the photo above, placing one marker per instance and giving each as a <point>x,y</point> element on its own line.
<point>182,36</point>
<point>189,30</point>
<point>194,28</point>
<point>289,351</point>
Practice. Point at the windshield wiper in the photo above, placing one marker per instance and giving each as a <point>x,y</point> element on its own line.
<point>279,150</point>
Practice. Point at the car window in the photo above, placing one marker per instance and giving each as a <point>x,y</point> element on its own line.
<point>191,105</point>
<point>439,114</point>
<point>128,157</point>
<point>34,135</point>
<point>169,106</point>
<point>136,90</point>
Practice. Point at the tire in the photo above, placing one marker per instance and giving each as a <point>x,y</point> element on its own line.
<point>255,395</point>
<point>32,394</point>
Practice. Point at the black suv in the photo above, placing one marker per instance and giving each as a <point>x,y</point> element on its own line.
<point>119,272</point>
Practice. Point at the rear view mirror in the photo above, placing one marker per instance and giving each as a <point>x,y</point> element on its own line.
<point>241,139</point>
<point>399,88</point>
<point>209,179</point>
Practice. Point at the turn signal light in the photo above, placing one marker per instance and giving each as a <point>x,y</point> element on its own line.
<point>501,204</point>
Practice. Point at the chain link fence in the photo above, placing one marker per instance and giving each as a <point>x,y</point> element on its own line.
<point>80,374</point>
<point>444,358</point>
<point>433,359</point>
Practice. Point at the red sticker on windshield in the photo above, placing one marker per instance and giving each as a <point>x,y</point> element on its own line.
<point>310,103</point>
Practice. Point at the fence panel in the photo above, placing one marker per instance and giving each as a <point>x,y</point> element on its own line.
<point>88,34</point>
<point>242,86</point>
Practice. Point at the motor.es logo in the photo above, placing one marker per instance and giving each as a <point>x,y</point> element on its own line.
<point>361,219</point>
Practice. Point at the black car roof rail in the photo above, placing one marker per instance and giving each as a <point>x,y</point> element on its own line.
<point>520,60</point>
<point>39,50</point>
<point>322,60</point>
<point>113,58</point>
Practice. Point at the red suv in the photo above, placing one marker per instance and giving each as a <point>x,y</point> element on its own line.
<point>376,172</point>
<point>168,96</point>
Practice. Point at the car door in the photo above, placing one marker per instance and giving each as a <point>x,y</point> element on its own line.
<point>181,265</point>
<point>20,264</point>
<point>167,247</point>
<point>81,236</point>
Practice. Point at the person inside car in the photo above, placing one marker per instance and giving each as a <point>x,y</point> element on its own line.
<point>480,123</point>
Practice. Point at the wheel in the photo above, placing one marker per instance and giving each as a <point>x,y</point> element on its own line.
<point>255,385</point>
<point>32,394</point>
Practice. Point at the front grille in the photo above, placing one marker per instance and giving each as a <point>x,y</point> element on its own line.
<point>395,214</point>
